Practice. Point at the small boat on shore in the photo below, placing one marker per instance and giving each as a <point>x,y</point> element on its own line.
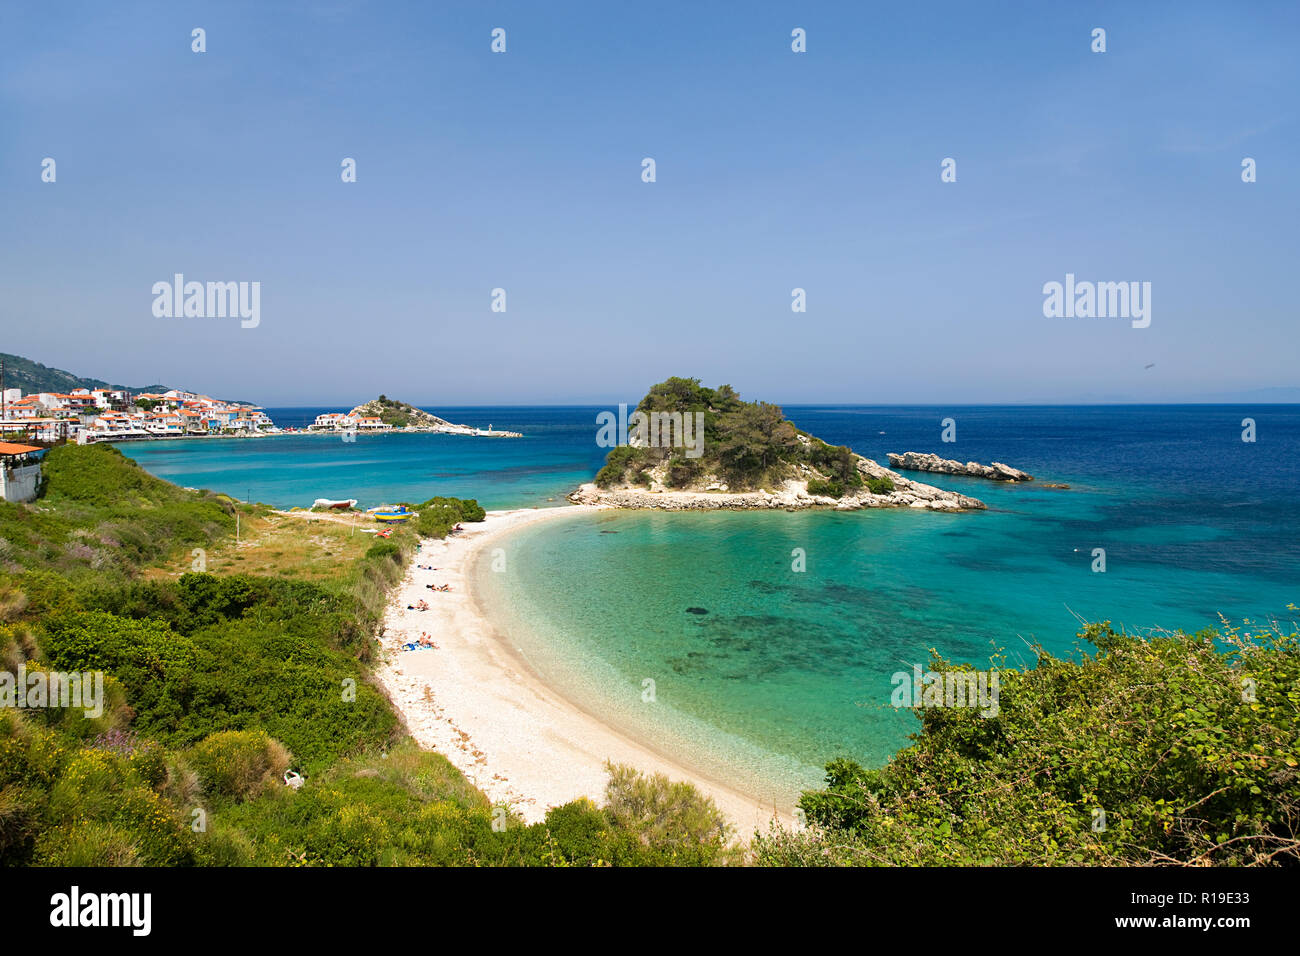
<point>393,515</point>
<point>334,503</point>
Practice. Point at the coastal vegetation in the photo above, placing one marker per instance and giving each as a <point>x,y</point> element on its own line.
<point>218,684</point>
<point>1175,749</point>
<point>745,445</point>
<point>103,517</point>
<point>390,412</point>
<point>438,515</point>
<point>397,414</point>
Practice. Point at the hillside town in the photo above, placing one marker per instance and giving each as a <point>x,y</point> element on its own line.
<point>86,415</point>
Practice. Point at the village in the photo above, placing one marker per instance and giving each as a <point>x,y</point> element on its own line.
<point>86,415</point>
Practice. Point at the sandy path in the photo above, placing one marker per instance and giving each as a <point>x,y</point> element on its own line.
<point>474,701</point>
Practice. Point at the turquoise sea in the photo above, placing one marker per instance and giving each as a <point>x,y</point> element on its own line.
<point>761,673</point>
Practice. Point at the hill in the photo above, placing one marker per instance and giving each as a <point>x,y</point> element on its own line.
<point>688,446</point>
<point>401,414</point>
<point>406,416</point>
<point>34,377</point>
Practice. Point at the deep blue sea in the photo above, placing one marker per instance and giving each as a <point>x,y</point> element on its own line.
<point>787,669</point>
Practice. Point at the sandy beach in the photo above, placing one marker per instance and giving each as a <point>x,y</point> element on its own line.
<point>473,699</point>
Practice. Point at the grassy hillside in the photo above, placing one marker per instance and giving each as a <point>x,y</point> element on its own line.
<point>217,683</point>
<point>34,377</point>
<point>103,516</point>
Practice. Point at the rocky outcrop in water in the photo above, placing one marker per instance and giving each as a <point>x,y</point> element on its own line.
<point>401,416</point>
<point>918,461</point>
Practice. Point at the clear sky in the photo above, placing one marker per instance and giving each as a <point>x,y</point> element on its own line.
<point>775,170</point>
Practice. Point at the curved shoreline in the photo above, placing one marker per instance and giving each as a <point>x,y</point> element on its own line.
<point>475,699</point>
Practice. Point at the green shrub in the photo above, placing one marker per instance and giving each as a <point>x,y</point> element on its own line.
<point>90,843</point>
<point>468,509</point>
<point>880,486</point>
<point>825,486</point>
<point>837,462</point>
<point>621,460</point>
<point>670,816</point>
<point>436,521</point>
<point>239,764</point>
<point>383,549</point>
<point>683,472</point>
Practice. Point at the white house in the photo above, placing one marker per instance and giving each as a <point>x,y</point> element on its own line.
<point>54,401</point>
<point>29,407</point>
<point>332,420</point>
<point>20,471</point>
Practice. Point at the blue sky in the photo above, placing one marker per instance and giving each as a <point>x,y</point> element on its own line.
<point>775,170</point>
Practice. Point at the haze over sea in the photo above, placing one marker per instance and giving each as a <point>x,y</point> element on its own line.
<point>785,670</point>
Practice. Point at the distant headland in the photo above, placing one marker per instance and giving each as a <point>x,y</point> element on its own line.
<point>384,414</point>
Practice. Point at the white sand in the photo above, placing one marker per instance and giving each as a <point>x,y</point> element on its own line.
<point>476,702</point>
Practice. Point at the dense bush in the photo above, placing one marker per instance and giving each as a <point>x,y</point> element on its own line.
<point>468,509</point>
<point>439,515</point>
<point>880,486</point>
<point>240,764</point>
<point>672,817</point>
<point>1188,745</point>
<point>213,654</point>
<point>624,463</point>
<point>835,461</point>
<point>683,472</point>
<point>66,803</point>
<point>825,486</point>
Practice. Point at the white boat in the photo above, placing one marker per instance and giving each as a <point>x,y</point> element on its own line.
<point>331,503</point>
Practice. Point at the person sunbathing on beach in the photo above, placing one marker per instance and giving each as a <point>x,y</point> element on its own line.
<point>421,606</point>
<point>427,641</point>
